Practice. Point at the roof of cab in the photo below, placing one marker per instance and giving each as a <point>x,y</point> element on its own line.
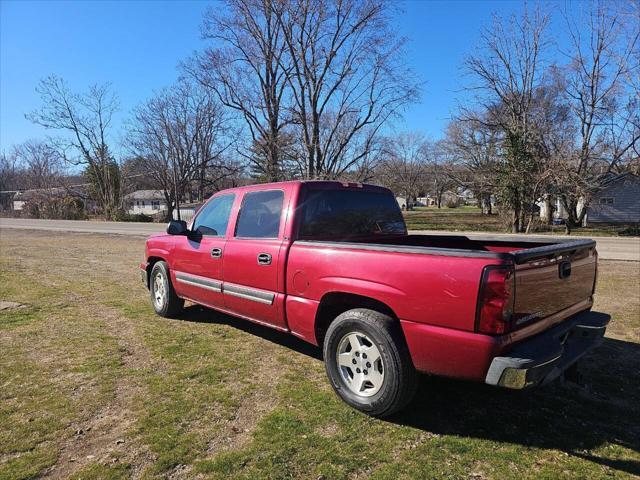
<point>334,183</point>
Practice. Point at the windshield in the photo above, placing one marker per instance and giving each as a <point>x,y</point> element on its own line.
<point>347,213</point>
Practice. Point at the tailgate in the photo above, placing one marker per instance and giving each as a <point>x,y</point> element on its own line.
<point>552,278</point>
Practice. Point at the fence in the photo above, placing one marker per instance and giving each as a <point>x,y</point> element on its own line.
<point>186,213</point>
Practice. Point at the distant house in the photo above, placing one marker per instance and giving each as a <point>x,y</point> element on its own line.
<point>551,207</point>
<point>405,203</point>
<point>18,201</point>
<point>147,202</point>
<point>617,202</point>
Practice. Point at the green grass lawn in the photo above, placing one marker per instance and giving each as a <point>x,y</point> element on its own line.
<point>94,385</point>
<point>471,219</point>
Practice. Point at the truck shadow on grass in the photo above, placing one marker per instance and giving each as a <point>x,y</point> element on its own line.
<point>567,417</point>
<point>562,416</point>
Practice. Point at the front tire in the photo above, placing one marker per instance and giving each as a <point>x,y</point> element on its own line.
<point>164,299</point>
<point>368,363</point>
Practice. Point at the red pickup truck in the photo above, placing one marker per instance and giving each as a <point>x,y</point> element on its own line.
<point>333,264</point>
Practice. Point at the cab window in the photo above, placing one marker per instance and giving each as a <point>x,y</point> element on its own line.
<point>212,220</point>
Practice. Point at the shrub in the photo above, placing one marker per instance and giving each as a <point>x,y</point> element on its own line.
<point>122,216</point>
<point>630,231</point>
<point>54,206</point>
<point>452,202</point>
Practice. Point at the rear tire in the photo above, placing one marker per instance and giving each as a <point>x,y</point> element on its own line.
<point>163,296</point>
<point>368,362</point>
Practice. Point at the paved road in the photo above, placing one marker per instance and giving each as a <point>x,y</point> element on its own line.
<point>609,248</point>
<point>121,228</point>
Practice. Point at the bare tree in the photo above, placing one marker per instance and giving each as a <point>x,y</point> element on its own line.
<point>631,21</point>
<point>473,150</point>
<point>403,166</point>
<point>438,177</point>
<point>41,165</point>
<point>86,119</point>
<point>9,178</point>
<point>347,77</point>
<point>312,80</point>
<point>247,70</point>
<point>607,123</point>
<point>508,69</point>
<point>179,140</point>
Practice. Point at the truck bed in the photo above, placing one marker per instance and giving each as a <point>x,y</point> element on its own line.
<point>519,251</point>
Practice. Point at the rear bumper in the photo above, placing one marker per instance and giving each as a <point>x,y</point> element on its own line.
<point>544,357</point>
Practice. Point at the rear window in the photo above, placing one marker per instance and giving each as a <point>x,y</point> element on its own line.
<point>344,213</point>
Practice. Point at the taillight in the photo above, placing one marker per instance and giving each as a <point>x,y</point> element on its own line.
<point>495,300</point>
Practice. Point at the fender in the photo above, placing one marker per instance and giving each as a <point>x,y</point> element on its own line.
<point>159,253</point>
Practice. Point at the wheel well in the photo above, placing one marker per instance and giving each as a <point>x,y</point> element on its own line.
<point>335,303</point>
<point>151,261</point>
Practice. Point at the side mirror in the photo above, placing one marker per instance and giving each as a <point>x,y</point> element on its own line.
<point>177,227</point>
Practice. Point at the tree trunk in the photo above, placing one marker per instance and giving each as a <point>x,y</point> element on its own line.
<point>530,222</point>
<point>272,158</point>
<point>515,220</point>
<point>484,202</point>
<point>169,214</point>
<point>549,209</point>
<point>573,219</point>
<point>169,202</point>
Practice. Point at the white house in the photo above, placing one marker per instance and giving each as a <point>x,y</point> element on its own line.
<point>148,202</point>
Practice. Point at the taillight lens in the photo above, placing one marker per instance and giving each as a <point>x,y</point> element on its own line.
<point>495,301</point>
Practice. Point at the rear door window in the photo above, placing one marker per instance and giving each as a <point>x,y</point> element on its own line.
<point>260,214</point>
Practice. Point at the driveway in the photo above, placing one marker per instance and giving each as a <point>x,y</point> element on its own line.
<point>609,248</point>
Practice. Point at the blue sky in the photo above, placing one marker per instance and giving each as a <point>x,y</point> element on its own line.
<point>136,46</point>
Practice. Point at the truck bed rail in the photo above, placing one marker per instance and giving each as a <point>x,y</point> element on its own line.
<point>526,255</point>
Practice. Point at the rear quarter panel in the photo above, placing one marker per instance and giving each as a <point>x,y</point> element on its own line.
<point>431,289</point>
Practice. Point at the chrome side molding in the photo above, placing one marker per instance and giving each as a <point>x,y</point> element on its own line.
<point>240,291</point>
<point>198,281</point>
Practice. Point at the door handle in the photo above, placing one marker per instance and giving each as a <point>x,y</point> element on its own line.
<point>216,252</point>
<point>264,259</point>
